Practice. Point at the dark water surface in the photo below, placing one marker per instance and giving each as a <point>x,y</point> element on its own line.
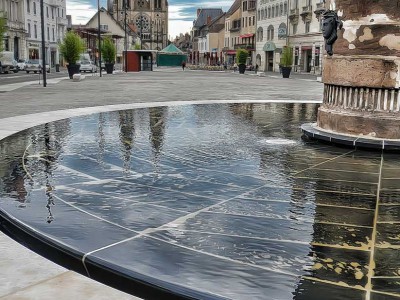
<point>226,200</point>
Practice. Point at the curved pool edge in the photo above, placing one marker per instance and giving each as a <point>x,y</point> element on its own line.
<point>143,286</point>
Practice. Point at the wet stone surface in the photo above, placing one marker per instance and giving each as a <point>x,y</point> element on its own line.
<point>226,200</point>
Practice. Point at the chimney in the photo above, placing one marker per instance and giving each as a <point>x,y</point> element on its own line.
<point>208,20</point>
<point>198,11</point>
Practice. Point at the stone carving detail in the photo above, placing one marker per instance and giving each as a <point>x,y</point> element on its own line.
<point>330,25</point>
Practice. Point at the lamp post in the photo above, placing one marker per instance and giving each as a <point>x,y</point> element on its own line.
<point>126,41</point>
<point>98,33</point>
<point>43,43</point>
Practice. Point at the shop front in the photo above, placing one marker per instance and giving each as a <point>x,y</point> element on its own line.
<point>269,50</point>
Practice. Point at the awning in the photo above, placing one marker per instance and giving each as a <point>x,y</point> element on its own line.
<point>231,52</point>
<point>247,35</point>
<point>269,46</point>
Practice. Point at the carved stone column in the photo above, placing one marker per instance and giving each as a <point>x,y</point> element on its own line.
<point>362,78</point>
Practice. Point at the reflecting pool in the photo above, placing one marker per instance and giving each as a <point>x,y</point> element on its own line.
<point>207,201</point>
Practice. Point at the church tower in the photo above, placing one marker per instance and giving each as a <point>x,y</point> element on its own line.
<point>149,18</point>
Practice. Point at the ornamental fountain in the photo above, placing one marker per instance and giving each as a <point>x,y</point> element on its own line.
<point>361,76</point>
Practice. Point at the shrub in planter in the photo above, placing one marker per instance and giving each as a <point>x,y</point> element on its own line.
<point>241,59</point>
<point>108,53</point>
<point>286,61</point>
<point>71,48</point>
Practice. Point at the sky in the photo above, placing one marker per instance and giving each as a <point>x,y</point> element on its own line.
<point>181,12</point>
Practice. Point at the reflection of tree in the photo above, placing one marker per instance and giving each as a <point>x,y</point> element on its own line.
<point>157,131</point>
<point>101,138</point>
<point>47,159</point>
<point>126,136</point>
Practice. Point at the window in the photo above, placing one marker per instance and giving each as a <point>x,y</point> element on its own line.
<point>29,30</point>
<point>294,28</point>
<point>260,34</point>
<point>48,33</point>
<point>62,13</point>
<point>53,36</point>
<point>282,31</point>
<point>259,15</point>
<point>28,6</point>
<point>285,10</point>
<point>34,8</point>
<point>273,12</point>
<point>308,27</point>
<point>47,11</point>
<point>317,53</point>
<point>52,13</point>
<point>35,30</point>
<point>269,12</point>
<point>270,33</point>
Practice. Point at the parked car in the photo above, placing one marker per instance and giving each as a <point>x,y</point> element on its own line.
<point>7,62</point>
<point>35,65</point>
<point>21,63</point>
<point>88,66</point>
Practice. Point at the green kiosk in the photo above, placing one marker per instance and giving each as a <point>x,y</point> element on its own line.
<point>170,56</point>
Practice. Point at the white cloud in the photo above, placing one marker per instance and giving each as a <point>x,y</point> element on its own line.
<point>178,26</point>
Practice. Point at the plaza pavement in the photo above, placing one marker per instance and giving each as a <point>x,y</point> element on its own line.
<point>26,275</point>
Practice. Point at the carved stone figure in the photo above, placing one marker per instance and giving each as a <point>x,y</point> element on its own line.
<point>330,25</point>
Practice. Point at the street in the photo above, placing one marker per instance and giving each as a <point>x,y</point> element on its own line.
<point>22,76</point>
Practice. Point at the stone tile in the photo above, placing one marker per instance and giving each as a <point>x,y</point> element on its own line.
<point>69,285</point>
<point>388,234</point>
<point>389,197</point>
<point>20,267</point>
<point>389,213</point>
<point>387,285</point>
<point>387,262</point>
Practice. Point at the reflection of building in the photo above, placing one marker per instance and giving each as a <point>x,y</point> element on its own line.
<point>14,38</point>
<point>306,36</point>
<point>55,26</point>
<point>149,18</point>
<point>271,33</point>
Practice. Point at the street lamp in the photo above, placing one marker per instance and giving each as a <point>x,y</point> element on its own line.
<point>126,40</point>
<point>43,44</point>
<point>98,33</point>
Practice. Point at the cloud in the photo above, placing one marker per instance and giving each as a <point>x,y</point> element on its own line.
<point>181,12</point>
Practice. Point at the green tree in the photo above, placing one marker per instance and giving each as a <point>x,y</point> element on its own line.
<point>71,47</point>
<point>108,50</point>
<point>3,29</point>
<point>241,56</point>
<point>287,57</point>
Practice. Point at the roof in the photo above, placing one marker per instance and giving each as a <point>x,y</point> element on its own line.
<point>204,14</point>
<point>235,6</point>
<point>171,48</point>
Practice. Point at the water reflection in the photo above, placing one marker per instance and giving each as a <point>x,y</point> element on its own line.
<point>227,187</point>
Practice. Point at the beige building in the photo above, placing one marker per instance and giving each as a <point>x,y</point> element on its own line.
<point>233,25</point>
<point>113,29</point>
<point>14,39</point>
<point>305,35</point>
<point>248,29</point>
<point>215,37</point>
<point>149,18</point>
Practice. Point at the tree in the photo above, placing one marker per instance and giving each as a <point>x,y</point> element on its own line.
<point>71,47</point>
<point>3,29</point>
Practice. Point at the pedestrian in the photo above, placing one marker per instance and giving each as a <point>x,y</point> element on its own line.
<point>183,65</point>
<point>225,66</point>
<point>256,69</point>
<point>235,66</point>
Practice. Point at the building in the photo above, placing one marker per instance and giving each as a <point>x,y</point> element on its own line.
<point>148,17</point>
<point>55,27</point>
<point>200,29</point>
<point>183,42</point>
<point>233,21</point>
<point>14,39</point>
<point>272,16</point>
<point>305,35</point>
<point>215,40</point>
<point>109,27</point>
<point>248,29</point>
